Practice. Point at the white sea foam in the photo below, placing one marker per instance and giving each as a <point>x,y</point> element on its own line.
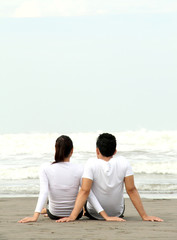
<point>150,153</point>
<point>19,173</point>
<point>145,167</point>
<point>150,167</point>
<point>38,143</point>
<point>147,140</point>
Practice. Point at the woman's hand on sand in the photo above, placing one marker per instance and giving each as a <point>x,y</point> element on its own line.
<point>115,219</point>
<point>111,219</point>
<point>152,219</point>
<point>27,219</point>
<point>34,218</point>
<point>65,219</point>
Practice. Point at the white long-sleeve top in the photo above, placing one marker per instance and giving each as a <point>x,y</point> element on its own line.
<point>60,182</point>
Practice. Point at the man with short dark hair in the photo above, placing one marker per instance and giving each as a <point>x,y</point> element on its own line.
<point>106,177</point>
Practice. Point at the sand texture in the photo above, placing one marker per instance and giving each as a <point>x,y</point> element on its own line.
<point>13,209</point>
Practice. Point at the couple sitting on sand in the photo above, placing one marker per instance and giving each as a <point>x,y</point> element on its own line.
<point>101,185</point>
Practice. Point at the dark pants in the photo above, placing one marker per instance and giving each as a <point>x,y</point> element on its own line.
<point>51,216</point>
<point>87,214</point>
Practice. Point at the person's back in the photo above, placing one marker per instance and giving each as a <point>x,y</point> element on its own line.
<point>61,181</point>
<point>108,184</point>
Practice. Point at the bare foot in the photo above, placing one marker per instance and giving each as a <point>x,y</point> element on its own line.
<point>44,211</point>
<point>84,212</point>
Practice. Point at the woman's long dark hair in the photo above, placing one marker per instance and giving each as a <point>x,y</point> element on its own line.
<point>63,147</point>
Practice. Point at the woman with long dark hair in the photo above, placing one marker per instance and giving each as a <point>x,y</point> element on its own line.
<point>59,182</point>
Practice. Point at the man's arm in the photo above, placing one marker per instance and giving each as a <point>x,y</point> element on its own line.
<point>136,200</point>
<point>80,200</point>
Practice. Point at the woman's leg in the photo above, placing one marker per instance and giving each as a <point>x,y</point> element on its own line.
<point>51,216</point>
<point>44,211</point>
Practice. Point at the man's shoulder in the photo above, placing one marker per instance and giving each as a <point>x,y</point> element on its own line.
<point>120,159</point>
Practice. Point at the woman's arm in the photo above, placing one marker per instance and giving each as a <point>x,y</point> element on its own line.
<point>111,219</point>
<point>43,191</point>
<point>34,218</point>
<point>41,200</point>
<point>80,200</point>
<point>94,202</point>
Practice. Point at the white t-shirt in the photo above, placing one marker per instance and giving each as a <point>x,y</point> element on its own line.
<point>108,184</point>
<point>60,183</point>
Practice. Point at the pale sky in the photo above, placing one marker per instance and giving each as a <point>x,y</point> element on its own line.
<point>56,8</point>
<point>79,65</point>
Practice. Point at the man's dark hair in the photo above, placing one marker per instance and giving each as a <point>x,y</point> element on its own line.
<point>106,143</point>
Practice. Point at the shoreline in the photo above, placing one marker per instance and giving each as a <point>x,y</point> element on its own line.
<point>147,196</point>
<point>13,209</point>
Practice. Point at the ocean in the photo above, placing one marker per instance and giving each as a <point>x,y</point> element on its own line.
<point>152,154</point>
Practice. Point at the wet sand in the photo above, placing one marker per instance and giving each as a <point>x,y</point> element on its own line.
<point>13,209</point>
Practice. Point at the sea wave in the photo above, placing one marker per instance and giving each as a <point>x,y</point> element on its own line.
<point>38,144</point>
<point>152,154</point>
<point>19,173</point>
<point>157,187</point>
<point>163,167</point>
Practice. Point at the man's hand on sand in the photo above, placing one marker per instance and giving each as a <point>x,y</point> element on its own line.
<point>152,219</point>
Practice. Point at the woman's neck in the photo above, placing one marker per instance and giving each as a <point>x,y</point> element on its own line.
<point>67,160</point>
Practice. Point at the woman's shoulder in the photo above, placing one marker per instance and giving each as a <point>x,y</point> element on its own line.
<point>45,165</point>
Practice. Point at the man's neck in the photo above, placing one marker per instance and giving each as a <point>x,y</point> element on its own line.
<point>106,159</point>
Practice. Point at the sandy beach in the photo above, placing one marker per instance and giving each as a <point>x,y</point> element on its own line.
<point>13,209</point>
